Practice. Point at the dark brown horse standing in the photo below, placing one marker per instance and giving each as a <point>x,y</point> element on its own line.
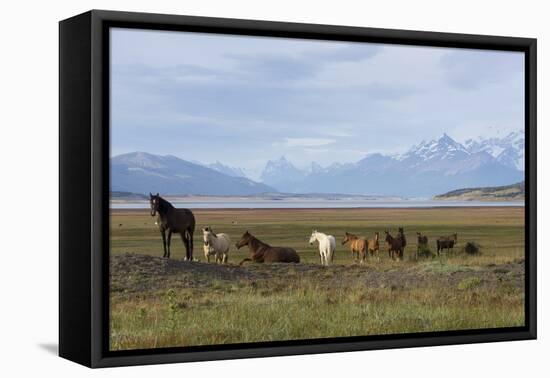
<point>395,246</point>
<point>422,242</point>
<point>171,220</point>
<point>401,235</point>
<point>261,252</point>
<point>446,242</point>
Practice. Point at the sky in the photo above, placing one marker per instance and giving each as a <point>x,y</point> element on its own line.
<point>244,100</point>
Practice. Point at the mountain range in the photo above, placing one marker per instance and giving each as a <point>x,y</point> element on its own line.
<point>141,172</point>
<point>426,169</point>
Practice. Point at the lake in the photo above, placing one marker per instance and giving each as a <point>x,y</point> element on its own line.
<point>312,204</point>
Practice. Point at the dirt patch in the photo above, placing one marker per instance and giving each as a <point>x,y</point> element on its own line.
<point>136,273</point>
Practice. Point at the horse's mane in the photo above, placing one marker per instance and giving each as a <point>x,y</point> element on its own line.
<point>352,236</point>
<point>164,205</point>
<point>253,238</point>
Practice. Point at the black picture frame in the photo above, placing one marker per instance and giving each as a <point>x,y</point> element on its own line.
<point>84,183</point>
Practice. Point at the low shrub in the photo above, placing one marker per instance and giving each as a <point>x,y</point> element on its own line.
<point>425,252</point>
<point>471,248</point>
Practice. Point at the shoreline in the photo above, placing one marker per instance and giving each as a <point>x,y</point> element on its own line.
<point>136,210</point>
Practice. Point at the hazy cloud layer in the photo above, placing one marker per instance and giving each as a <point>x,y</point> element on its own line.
<point>244,100</point>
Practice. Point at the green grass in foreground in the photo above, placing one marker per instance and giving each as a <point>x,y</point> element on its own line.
<point>294,305</point>
<point>232,314</point>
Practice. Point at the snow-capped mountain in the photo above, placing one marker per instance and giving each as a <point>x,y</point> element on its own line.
<point>226,169</point>
<point>281,173</point>
<point>426,169</point>
<point>444,148</point>
<point>509,150</point>
<point>140,172</point>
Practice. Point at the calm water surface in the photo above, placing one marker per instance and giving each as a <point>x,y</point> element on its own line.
<point>313,204</point>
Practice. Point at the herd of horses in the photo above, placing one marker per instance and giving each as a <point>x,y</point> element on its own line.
<point>182,221</point>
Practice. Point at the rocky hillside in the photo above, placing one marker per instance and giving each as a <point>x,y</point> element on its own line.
<point>514,192</point>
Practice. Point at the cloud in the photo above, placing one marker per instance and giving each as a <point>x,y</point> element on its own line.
<point>307,142</point>
<point>347,52</point>
<point>473,69</point>
<point>243,100</point>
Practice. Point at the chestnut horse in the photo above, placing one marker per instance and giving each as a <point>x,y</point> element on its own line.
<point>373,246</point>
<point>357,245</point>
<point>261,252</point>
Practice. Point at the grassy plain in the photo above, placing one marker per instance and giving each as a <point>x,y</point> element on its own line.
<point>159,303</point>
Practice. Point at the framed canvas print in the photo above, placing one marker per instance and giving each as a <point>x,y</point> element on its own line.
<point>234,188</point>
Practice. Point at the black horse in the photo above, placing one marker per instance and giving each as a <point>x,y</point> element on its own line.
<point>171,220</point>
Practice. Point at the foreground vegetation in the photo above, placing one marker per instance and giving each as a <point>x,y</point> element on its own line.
<point>158,303</point>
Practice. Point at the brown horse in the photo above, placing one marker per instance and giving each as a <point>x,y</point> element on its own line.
<point>171,220</point>
<point>401,235</point>
<point>373,246</point>
<point>261,252</point>
<point>357,245</point>
<point>395,246</point>
<point>422,242</point>
<point>446,242</point>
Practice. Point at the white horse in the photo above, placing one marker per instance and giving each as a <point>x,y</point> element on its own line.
<point>208,251</point>
<point>215,245</point>
<point>327,245</point>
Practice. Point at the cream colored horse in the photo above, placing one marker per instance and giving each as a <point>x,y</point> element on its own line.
<point>327,246</point>
<point>217,244</point>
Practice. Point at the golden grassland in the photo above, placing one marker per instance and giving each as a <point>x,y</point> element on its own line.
<point>160,303</point>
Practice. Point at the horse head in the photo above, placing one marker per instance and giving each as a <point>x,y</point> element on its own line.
<point>313,237</point>
<point>346,238</point>
<point>154,201</point>
<point>245,239</point>
<point>207,233</point>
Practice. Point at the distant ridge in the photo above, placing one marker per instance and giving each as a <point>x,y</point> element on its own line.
<point>426,169</point>
<point>423,171</point>
<point>141,172</point>
<point>514,192</point>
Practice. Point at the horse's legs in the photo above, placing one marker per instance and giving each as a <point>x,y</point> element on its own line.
<point>163,242</point>
<point>168,241</point>
<point>190,243</point>
<point>185,244</point>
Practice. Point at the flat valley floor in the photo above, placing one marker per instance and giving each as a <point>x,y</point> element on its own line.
<point>156,302</point>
